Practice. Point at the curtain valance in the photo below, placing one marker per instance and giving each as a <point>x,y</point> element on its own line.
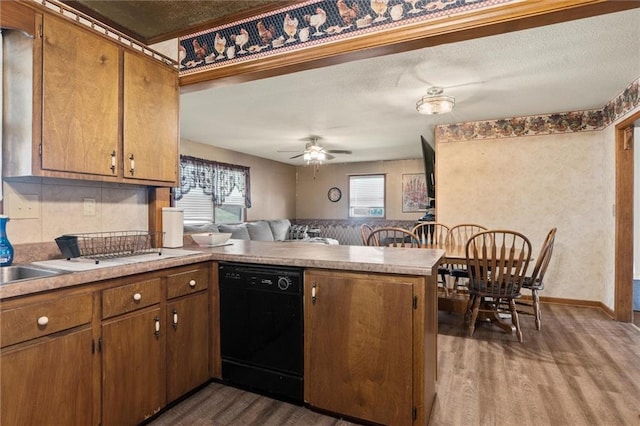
<point>216,179</point>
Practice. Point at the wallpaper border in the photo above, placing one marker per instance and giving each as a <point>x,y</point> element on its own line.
<point>534,125</point>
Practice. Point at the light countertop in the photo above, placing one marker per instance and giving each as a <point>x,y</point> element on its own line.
<point>390,260</point>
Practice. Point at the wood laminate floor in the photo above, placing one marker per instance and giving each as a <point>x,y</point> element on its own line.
<point>582,368</point>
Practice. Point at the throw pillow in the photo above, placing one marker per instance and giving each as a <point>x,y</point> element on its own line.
<point>299,232</point>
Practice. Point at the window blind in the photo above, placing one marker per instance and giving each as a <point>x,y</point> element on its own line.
<point>366,196</point>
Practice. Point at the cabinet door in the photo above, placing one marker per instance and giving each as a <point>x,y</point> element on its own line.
<point>358,345</point>
<point>187,344</point>
<point>48,382</point>
<point>150,119</point>
<point>80,100</point>
<point>133,368</point>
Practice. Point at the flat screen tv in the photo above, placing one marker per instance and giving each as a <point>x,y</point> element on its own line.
<point>429,156</point>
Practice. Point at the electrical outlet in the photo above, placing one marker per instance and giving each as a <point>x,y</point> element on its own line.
<point>89,207</point>
<point>24,206</point>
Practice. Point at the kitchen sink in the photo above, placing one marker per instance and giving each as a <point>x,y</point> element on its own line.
<point>11,274</point>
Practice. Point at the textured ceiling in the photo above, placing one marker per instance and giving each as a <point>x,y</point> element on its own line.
<point>157,20</point>
<point>368,106</point>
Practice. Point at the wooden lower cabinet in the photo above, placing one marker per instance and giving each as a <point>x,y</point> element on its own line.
<point>109,353</point>
<point>359,345</point>
<point>49,381</point>
<point>154,350</point>
<point>187,344</point>
<point>133,367</point>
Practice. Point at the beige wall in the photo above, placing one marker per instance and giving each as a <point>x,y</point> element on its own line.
<point>273,184</point>
<point>531,184</point>
<point>311,193</point>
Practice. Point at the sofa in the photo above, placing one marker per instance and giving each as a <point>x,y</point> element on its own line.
<point>262,230</point>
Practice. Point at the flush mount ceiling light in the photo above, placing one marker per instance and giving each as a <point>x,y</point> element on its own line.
<point>435,102</point>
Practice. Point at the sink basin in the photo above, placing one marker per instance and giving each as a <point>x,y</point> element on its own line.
<point>11,274</point>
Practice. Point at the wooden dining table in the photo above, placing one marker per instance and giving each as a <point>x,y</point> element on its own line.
<point>457,302</point>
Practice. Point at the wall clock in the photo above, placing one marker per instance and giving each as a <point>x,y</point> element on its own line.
<point>334,194</point>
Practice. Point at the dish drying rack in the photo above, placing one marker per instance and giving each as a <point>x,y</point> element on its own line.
<point>109,245</point>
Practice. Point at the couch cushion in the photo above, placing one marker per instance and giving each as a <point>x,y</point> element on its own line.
<point>239,231</point>
<point>260,231</point>
<point>280,229</point>
<point>200,229</point>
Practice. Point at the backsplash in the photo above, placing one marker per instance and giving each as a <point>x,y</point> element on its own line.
<point>42,209</point>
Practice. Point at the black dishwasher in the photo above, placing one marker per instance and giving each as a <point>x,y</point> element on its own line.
<point>261,328</point>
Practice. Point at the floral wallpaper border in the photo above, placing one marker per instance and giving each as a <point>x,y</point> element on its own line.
<point>309,23</point>
<point>567,122</point>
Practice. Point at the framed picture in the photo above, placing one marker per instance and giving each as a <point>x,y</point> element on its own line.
<point>414,193</point>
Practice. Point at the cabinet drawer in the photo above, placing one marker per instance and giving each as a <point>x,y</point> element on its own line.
<point>31,321</point>
<point>127,298</point>
<point>187,282</point>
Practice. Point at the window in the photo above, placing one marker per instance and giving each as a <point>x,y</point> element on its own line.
<point>212,192</point>
<point>366,196</point>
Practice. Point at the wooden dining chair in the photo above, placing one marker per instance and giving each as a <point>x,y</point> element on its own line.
<point>535,282</point>
<point>392,237</point>
<point>430,234</point>
<point>365,231</point>
<point>497,262</point>
<point>457,237</point>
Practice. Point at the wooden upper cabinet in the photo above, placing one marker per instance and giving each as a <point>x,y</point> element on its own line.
<point>82,106</point>
<point>150,120</point>
<point>80,90</point>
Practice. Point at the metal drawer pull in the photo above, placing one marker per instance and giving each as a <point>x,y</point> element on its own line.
<point>313,293</point>
<point>132,161</point>
<point>43,320</point>
<point>192,283</point>
<point>175,319</point>
<point>157,321</point>
<point>137,297</point>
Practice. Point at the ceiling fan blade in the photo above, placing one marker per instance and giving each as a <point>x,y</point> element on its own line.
<point>338,151</point>
<point>296,156</point>
<point>329,156</point>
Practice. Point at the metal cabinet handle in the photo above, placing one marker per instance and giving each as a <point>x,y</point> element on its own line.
<point>43,320</point>
<point>175,319</point>
<point>157,326</point>
<point>113,163</point>
<point>313,293</point>
<point>132,163</point>
<point>192,283</point>
<point>137,297</point>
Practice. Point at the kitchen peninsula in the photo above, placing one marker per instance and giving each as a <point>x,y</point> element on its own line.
<point>370,314</point>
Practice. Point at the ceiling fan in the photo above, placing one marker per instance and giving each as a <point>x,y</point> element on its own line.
<point>314,153</point>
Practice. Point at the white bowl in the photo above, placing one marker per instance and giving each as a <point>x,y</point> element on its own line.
<point>211,238</point>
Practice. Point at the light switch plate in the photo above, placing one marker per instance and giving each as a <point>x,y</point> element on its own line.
<point>89,207</point>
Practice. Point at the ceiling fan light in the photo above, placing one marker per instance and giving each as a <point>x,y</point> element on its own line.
<point>306,156</point>
<point>321,156</point>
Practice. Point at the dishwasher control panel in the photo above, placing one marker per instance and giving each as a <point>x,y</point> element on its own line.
<point>261,277</point>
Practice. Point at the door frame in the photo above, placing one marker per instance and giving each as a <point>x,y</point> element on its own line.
<point>623,291</point>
